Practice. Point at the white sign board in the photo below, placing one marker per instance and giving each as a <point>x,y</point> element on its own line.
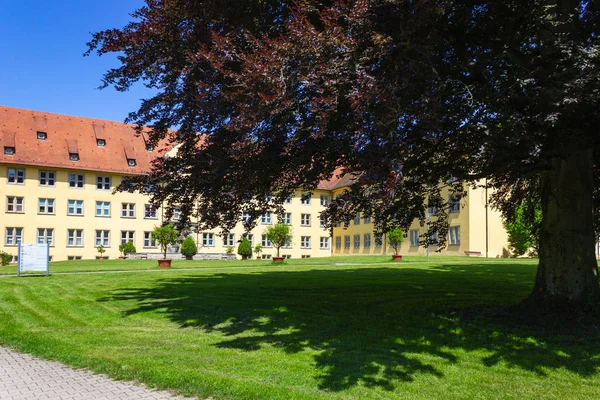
<point>33,258</point>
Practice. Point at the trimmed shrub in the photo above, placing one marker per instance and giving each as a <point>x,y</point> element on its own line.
<point>189,247</point>
<point>245,248</point>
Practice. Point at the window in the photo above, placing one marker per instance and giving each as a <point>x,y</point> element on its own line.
<point>250,237</point>
<point>357,219</point>
<point>100,142</point>
<point>9,151</point>
<point>71,258</point>
<point>47,178</point>
<point>45,206</point>
<point>432,210</point>
<point>74,156</point>
<point>16,176</point>
<point>324,200</point>
<point>228,239</point>
<point>265,242</point>
<point>414,237</point>
<point>208,239</point>
<point>131,162</point>
<point>357,241</point>
<point>149,147</point>
<point>323,242</point>
<point>127,236</point>
<point>347,241</point>
<point>305,199</point>
<point>266,256</point>
<point>13,236</point>
<point>322,221</point>
<point>305,242</point>
<point>288,200</point>
<point>433,238</point>
<point>103,209</point>
<point>305,219</point>
<point>176,213</point>
<point>76,180</point>
<point>366,219</point>
<point>149,211</point>
<point>127,210</point>
<point>75,207</point>
<point>45,235</point>
<point>148,241</point>
<point>454,233</point>
<point>453,204</point>
<point>103,182</point>
<point>42,135</point>
<point>245,216</point>
<point>378,240</point>
<point>75,237</point>
<point>367,240</point>
<point>14,204</point>
<point>286,218</point>
<point>266,218</point>
<point>305,256</point>
<point>288,244</point>
<point>338,242</point>
<point>102,238</point>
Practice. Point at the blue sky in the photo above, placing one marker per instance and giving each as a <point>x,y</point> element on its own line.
<point>41,57</point>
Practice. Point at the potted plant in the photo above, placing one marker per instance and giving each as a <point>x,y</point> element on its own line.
<point>101,250</point>
<point>229,250</point>
<point>279,235</point>
<point>126,248</point>
<point>189,248</point>
<point>395,238</point>
<point>258,249</point>
<point>165,235</point>
<point>245,249</point>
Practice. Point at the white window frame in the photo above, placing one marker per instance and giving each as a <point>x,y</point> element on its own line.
<point>229,240</point>
<point>47,177</point>
<point>17,175</point>
<point>286,218</point>
<point>266,219</point>
<point>367,240</point>
<point>76,181</point>
<point>74,237</point>
<point>245,216</point>
<point>77,205</point>
<point>356,241</point>
<point>305,199</point>
<point>265,242</point>
<point>346,241</point>
<point>304,219</point>
<point>148,241</point>
<point>46,236</point>
<point>305,242</point>
<point>357,218</point>
<point>127,210</point>
<point>324,200</point>
<point>17,203</point>
<point>208,239</point>
<point>453,204</point>
<point>414,237</point>
<point>378,237</point>
<point>102,238</point>
<point>324,242</point>
<point>46,204</point>
<point>454,235</point>
<point>13,235</point>
<point>366,219</point>
<point>150,212</point>
<point>103,182</point>
<point>127,236</point>
<point>338,242</point>
<point>103,207</point>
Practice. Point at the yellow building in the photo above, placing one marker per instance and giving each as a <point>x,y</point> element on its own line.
<point>57,179</point>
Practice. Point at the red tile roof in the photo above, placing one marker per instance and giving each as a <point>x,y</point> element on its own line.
<point>67,134</point>
<point>337,181</point>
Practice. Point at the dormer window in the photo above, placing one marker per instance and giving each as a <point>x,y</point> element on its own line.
<point>9,151</point>
<point>101,142</point>
<point>131,162</point>
<point>42,135</point>
<point>74,156</point>
<point>149,147</point>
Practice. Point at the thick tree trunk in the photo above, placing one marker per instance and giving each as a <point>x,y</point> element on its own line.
<point>568,271</point>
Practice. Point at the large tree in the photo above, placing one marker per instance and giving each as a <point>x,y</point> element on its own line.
<point>404,96</point>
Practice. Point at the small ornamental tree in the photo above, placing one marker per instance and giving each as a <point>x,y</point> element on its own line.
<point>5,258</point>
<point>258,249</point>
<point>396,237</point>
<point>101,250</point>
<point>523,229</point>
<point>245,248</point>
<point>127,248</point>
<point>229,250</point>
<point>165,235</point>
<point>189,247</point>
<point>279,235</point>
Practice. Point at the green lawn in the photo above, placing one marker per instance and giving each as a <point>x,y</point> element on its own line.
<point>331,328</point>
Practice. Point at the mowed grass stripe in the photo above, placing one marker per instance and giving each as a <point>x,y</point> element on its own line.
<point>304,331</point>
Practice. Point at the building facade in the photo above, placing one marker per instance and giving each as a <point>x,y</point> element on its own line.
<point>58,175</point>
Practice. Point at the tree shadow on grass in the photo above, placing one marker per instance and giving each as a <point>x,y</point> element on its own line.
<point>376,326</point>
